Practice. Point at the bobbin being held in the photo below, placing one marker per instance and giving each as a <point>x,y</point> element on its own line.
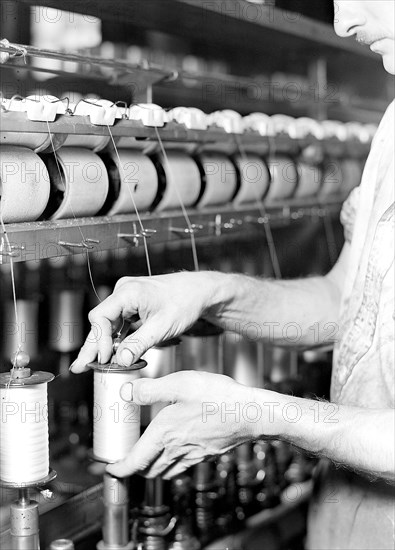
<point>116,428</point>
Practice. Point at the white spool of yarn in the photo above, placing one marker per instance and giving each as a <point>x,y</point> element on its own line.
<point>183,182</point>
<point>310,178</point>
<point>116,424</point>
<point>284,178</point>
<point>254,178</point>
<point>220,179</point>
<point>24,450</point>
<point>79,182</point>
<point>24,184</point>
<point>162,362</point>
<point>133,177</point>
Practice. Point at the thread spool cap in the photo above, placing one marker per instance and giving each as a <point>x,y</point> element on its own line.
<point>7,379</point>
<point>114,367</point>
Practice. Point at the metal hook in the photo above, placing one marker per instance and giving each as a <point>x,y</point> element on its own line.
<point>124,105</point>
<point>136,235</point>
<point>85,243</point>
<point>19,51</point>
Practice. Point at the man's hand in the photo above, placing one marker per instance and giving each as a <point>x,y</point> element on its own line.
<point>201,421</point>
<point>164,307</point>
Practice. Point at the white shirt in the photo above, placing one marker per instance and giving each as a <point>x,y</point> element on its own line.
<point>349,511</point>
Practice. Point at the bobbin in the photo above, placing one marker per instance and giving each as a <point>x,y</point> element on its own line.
<point>25,186</point>
<point>79,183</point>
<point>179,180</point>
<point>202,348</point>
<point>254,178</point>
<point>284,178</point>
<point>24,515</point>
<point>115,529</point>
<point>162,362</point>
<point>219,179</point>
<point>113,368</point>
<point>23,378</point>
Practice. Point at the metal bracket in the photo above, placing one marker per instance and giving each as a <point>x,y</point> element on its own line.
<point>193,229</point>
<point>10,253</point>
<point>136,235</point>
<point>85,243</point>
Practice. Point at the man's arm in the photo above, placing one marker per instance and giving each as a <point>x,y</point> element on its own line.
<point>298,313</point>
<point>357,438</point>
<point>210,414</point>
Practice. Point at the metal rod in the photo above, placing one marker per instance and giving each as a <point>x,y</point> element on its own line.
<point>23,50</point>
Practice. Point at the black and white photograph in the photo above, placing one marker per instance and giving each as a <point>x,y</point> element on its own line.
<point>197,287</point>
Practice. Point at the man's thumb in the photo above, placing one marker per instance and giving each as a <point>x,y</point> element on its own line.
<point>135,345</point>
<point>146,391</point>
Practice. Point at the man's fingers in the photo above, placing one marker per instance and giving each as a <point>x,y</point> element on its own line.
<point>161,466</point>
<point>135,345</point>
<point>99,342</point>
<point>146,391</point>
<point>103,319</point>
<point>177,469</point>
<point>143,454</point>
<point>87,354</point>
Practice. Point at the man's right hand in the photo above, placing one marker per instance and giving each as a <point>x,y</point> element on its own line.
<point>164,306</point>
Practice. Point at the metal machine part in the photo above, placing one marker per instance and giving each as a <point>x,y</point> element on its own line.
<point>24,523</point>
<point>184,537</point>
<point>155,522</point>
<point>115,529</point>
<point>28,319</point>
<point>206,498</point>
<point>162,361</point>
<point>202,348</point>
<point>62,544</point>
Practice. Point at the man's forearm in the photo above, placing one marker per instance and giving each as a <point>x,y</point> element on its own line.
<point>297,313</point>
<point>357,438</point>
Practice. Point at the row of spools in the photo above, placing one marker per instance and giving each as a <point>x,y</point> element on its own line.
<point>77,182</point>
